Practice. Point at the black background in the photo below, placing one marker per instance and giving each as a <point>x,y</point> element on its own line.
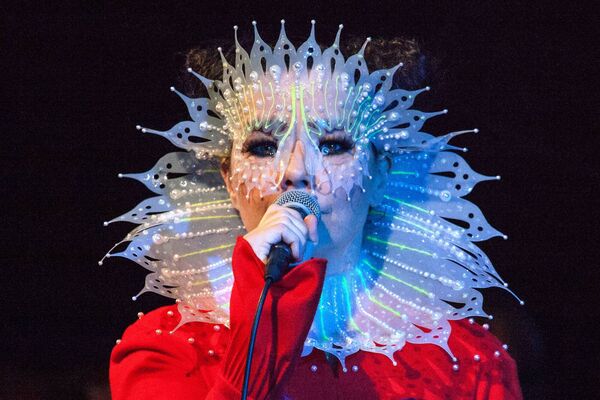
<point>78,78</point>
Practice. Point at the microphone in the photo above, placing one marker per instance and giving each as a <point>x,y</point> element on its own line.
<point>278,261</point>
<point>280,255</point>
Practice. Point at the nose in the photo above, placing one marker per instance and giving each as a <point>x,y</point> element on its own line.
<point>296,176</point>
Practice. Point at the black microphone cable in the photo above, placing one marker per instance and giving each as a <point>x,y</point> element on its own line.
<point>280,256</point>
<point>261,302</point>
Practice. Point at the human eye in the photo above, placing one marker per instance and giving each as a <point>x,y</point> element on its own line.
<point>335,144</point>
<point>260,145</point>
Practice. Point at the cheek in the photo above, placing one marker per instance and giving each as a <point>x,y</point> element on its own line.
<point>253,209</point>
<point>253,175</point>
<point>346,218</point>
<point>341,172</point>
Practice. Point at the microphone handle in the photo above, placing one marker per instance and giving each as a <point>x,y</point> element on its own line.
<point>278,261</point>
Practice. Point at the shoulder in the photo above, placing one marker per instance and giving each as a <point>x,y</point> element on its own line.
<point>473,346</point>
<point>152,333</point>
<point>152,353</point>
<point>478,350</point>
<point>481,368</point>
<point>474,341</point>
<point>162,320</point>
<point>156,335</point>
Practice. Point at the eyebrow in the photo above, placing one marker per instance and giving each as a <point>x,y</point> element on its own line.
<point>273,124</point>
<point>258,133</point>
<point>337,132</point>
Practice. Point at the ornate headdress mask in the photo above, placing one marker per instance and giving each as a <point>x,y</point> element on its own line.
<point>418,270</point>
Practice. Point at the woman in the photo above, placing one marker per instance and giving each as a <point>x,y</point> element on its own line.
<point>389,270</point>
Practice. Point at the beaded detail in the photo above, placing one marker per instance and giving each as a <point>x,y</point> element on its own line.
<point>419,265</point>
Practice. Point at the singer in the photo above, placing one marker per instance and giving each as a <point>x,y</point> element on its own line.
<point>380,299</point>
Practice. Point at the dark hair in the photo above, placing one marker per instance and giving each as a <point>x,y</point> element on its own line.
<point>419,67</point>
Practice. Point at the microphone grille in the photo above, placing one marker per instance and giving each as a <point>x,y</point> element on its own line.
<point>301,201</point>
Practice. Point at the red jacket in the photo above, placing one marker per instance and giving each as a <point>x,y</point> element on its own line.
<point>206,361</point>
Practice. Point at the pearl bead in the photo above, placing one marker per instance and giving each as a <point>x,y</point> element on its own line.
<point>170,313</point>
<point>486,326</point>
<point>476,357</point>
<point>140,315</point>
<point>158,332</point>
<point>355,368</point>
<point>217,328</point>
<point>191,340</point>
<point>505,346</point>
<point>313,368</point>
<point>211,352</point>
<point>496,353</point>
<point>118,341</point>
<point>455,367</point>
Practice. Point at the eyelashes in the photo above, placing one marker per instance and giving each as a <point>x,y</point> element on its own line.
<point>329,145</point>
<point>260,146</point>
<point>333,145</point>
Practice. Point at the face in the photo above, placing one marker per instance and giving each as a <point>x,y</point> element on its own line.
<point>343,173</point>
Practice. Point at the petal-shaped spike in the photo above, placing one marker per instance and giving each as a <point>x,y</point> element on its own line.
<point>284,52</point>
<point>228,70</point>
<point>144,210</point>
<point>283,40</point>
<point>205,81</point>
<point>336,42</point>
<point>223,59</point>
<point>242,59</point>
<point>310,48</point>
<point>158,179</point>
<point>382,79</point>
<point>364,46</point>
<point>199,108</point>
<point>260,51</point>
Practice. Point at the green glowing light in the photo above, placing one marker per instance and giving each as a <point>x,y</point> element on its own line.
<point>322,322</point>
<point>209,202</point>
<point>404,173</point>
<point>293,113</point>
<point>398,245</point>
<point>348,305</point>
<point>374,300</point>
<point>199,283</point>
<point>414,224</point>
<point>392,277</point>
<point>407,204</point>
<point>207,217</point>
<point>224,246</point>
<point>304,118</point>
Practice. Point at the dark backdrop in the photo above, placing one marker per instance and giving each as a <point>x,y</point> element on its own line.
<point>78,79</point>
